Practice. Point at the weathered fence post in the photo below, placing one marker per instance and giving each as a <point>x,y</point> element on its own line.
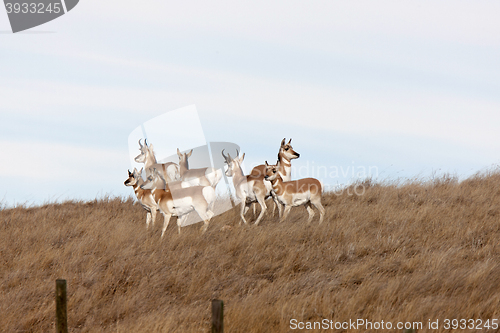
<point>217,316</point>
<point>61,308</point>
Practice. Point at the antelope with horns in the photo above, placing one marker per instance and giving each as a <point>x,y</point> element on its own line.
<point>248,189</point>
<point>180,201</point>
<point>145,197</point>
<point>305,191</point>
<point>285,156</point>
<point>203,176</point>
<point>169,170</point>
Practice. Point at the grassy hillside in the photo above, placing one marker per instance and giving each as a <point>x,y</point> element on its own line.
<point>413,252</point>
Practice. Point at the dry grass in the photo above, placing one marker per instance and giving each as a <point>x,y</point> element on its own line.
<point>400,252</point>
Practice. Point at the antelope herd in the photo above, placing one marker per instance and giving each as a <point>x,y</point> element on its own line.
<point>176,190</point>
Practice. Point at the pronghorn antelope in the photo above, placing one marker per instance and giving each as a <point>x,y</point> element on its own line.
<point>203,176</point>
<point>181,201</point>
<point>145,197</point>
<point>305,191</point>
<point>169,170</point>
<point>248,188</point>
<point>285,156</point>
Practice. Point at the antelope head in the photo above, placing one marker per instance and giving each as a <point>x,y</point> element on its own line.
<point>138,174</point>
<point>272,171</point>
<point>154,181</point>
<point>287,151</point>
<point>229,161</point>
<point>141,158</point>
<point>183,158</point>
<point>233,164</point>
<point>131,180</point>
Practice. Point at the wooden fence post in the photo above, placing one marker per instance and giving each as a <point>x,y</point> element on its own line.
<point>217,316</point>
<point>61,308</point>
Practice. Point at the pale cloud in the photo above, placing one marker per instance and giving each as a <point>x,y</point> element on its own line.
<point>59,162</point>
<point>38,172</point>
<point>298,21</point>
<point>466,119</point>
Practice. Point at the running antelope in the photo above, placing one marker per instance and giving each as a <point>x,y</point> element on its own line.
<point>145,197</point>
<point>203,176</point>
<point>181,201</point>
<point>285,156</point>
<point>169,170</point>
<point>305,191</point>
<point>248,189</point>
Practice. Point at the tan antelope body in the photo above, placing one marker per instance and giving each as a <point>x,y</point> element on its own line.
<point>248,189</point>
<point>202,176</point>
<point>294,193</point>
<point>145,197</point>
<point>181,201</point>
<point>169,170</point>
<point>285,156</point>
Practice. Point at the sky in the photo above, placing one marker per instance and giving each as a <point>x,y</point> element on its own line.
<point>385,89</point>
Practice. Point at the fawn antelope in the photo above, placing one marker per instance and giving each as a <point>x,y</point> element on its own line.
<point>305,191</point>
<point>169,170</point>
<point>203,176</point>
<point>248,189</point>
<point>180,201</point>
<point>145,197</point>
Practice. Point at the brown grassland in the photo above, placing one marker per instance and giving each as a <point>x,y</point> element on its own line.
<point>409,251</point>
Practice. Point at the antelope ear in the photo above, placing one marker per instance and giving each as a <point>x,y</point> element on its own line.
<point>179,152</point>
<point>129,173</point>
<point>242,157</point>
<point>283,142</point>
<point>267,164</point>
<point>290,141</point>
<point>189,154</point>
<point>151,148</point>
